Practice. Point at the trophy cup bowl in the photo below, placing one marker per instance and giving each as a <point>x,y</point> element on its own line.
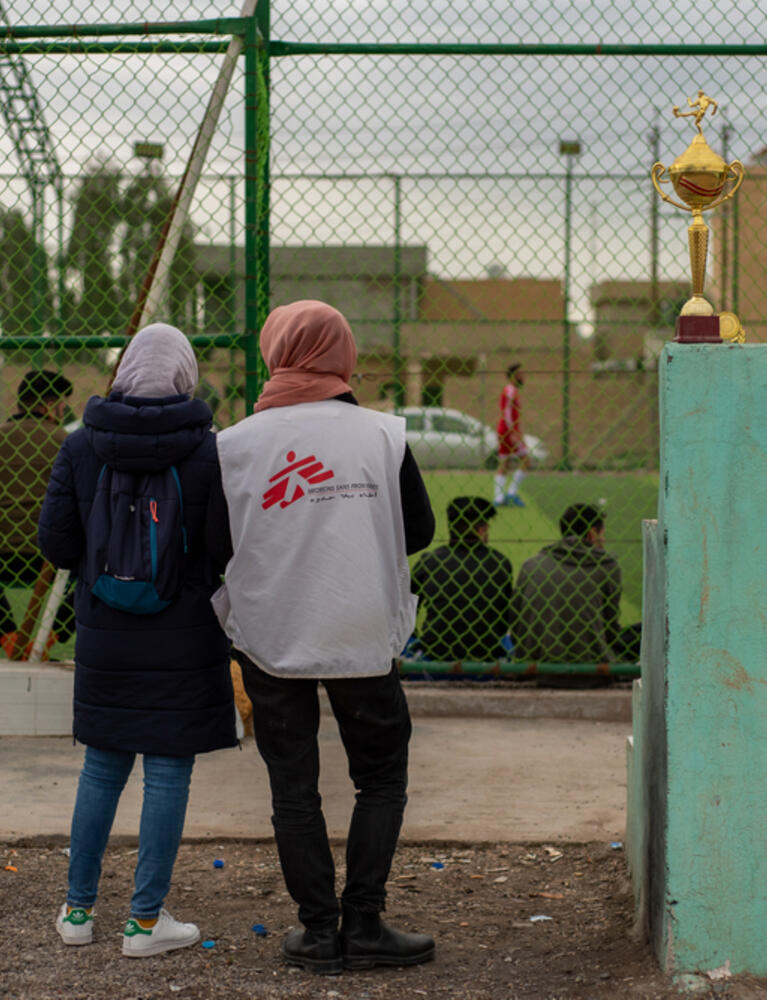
<point>699,175</point>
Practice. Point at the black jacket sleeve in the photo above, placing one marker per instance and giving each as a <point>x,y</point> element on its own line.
<point>416,508</point>
<point>218,538</point>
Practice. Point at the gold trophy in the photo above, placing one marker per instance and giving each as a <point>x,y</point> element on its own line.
<point>700,178</point>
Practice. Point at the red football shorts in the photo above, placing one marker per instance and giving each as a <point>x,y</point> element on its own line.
<point>511,443</point>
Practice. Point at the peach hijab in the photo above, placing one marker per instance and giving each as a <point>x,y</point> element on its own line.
<point>310,352</point>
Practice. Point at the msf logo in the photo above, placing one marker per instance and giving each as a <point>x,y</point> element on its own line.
<point>310,469</point>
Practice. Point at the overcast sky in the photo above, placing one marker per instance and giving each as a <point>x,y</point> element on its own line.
<point>444,20</point>
<point>424,116</point>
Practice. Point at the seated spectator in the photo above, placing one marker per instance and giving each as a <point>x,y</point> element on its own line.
<point>465,587</point>
<point>29,443</point>
<point>566,601</point>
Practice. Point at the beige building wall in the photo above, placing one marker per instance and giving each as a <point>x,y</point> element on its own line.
<point>358,281</point>
<point>737,267</point>
<point>633,319</point>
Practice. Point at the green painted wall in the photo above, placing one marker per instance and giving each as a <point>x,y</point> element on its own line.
<point>698,855</point>
<point>647,752</point>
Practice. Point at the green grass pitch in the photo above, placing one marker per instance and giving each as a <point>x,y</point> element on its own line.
<point>520,532</point>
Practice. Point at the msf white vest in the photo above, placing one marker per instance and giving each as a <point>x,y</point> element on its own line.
<point>319,584</point>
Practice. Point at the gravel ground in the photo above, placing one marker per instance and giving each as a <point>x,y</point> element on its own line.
<point>476,900</point>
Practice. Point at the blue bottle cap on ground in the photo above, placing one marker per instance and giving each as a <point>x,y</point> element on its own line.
<point>218,863</point>
<point>209,944</point>
<point>259,929</point>
<point>437,864</point>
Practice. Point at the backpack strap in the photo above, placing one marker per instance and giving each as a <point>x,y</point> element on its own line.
<point>177,481</point>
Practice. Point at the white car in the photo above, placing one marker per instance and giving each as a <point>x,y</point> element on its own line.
<point>441,438</point>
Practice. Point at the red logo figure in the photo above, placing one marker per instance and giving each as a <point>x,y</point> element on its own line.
<point>309,469</point>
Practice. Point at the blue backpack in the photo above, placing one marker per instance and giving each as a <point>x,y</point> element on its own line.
<point>136,540</point>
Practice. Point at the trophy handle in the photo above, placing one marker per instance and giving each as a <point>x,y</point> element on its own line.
<point>736,173</point>
<point>657,172</point>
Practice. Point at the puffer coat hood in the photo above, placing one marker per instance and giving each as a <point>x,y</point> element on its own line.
<point>132,434</point>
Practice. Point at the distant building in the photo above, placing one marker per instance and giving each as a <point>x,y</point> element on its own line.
<point>738,259</point>
<point>428,341</point>
<point>491,315</point>
<point>468,332</point>
<point>358,281</point>
<point>445,331</point>
<point>462,316</point>
<point>633,319</point>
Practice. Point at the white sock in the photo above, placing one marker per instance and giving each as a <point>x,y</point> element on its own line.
<point>500,487</point>
<point>516,481</point>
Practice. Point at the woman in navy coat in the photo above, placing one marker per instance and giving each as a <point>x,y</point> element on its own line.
<point>151,684</point>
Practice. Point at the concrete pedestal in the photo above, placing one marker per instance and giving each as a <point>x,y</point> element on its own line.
<point>697,760</point>
<point>35,699</point>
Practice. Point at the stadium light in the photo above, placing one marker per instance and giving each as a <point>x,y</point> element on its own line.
<point>568,148</point>
<point>148,150</point>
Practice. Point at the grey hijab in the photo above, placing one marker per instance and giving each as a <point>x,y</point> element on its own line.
<point>158,361</point>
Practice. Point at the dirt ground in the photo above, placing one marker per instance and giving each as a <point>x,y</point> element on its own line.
<point>476,900</point>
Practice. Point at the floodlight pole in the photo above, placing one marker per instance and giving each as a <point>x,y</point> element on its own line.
<point>654,237</point>
<point>569,150</point>
<point>726,214</point>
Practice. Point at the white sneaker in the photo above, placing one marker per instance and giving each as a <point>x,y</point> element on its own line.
<point>75,927</point>
<point>166,935</point>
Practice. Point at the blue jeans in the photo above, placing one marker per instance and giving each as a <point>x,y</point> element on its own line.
<point>166,791</point>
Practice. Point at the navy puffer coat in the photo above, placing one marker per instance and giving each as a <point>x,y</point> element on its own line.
<point>157,684</point>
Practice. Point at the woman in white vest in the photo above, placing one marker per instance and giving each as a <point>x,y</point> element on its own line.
<point>324,502</point>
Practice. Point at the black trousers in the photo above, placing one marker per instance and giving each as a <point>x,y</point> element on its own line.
<point>374,724</point>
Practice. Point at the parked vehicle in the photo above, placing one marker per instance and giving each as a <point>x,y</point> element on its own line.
<point>441,438</point>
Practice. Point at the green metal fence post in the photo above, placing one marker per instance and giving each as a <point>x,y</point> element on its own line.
<point>60,263</point>
<point>231,299</point>
<point>256,197</point>
<point>399,388</point>
<point>231,289</point>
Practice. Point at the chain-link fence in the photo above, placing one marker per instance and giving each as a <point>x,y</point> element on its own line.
<point>470,186</point>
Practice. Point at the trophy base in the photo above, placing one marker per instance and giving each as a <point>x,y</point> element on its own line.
<point>697,330</point>
<point>697,306</point>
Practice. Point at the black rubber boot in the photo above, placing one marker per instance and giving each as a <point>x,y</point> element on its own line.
<point>316,951</point>
<point>366,941</point>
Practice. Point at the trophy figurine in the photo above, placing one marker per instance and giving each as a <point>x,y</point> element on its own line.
<point>702,180</point>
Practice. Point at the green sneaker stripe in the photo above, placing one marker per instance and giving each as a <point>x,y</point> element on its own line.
<point>77,917</point>
<point>132,929</point>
